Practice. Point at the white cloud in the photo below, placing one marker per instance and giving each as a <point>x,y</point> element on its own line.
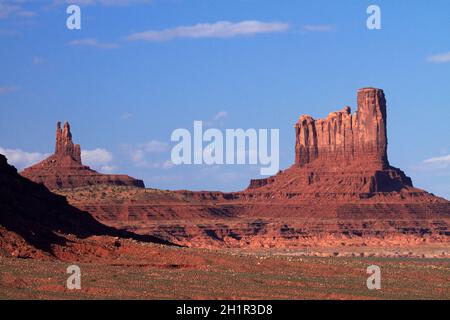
<point>220,115</point>
<point>91,42</point>
<point>438,162</point>
<point>319,28</point>
<point>221,29</point>
<point>98,159</point>
<point>97,156</point>
<point>22,159</point>
<point>439,58</point>
<point>5,90</point>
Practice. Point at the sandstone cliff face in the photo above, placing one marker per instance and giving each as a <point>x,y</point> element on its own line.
<point>342,138</point>
<point>36,223</point>
<point>64,145</point>
<point>64,168</point>
<point>344,154</point>
<point>341,189</point>
<point>33,220</point>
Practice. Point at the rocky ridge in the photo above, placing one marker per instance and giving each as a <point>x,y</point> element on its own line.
<point>36,223</point>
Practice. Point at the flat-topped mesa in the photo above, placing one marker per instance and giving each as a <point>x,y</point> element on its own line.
<point>64,168</point>
<point>346,139</point>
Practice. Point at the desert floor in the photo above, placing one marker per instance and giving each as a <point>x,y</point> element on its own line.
<point>186,273</point>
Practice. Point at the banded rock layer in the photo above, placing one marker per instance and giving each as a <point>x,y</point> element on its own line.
<point>64,168</point>
<point>342,138</point>
<point>341,188</point>
<point>342,154</point>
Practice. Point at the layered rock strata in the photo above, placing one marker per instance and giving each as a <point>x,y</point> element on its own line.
<point>340,190</point>
<point>64,168</point>
<point>36,223</point>
<point>343,154</point>
<point>343,138</point>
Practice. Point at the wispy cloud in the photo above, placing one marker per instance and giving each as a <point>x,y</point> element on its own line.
<point>441,162</point>
<point>439,58</point>
<point>14,8</point>
<point>7,9</point>
<point>145,155</point>
<point>154,146</point>
<point>10,33</point>
<point>319,28</point>
<point>221,29</point>
<point>165,164</point>
<point>91,42</point>
<point>221,115</point>
<point>26,13</point>
<point>9,89</point>
<point>126,116</point>
<point>218,119</point>
<point>139,159</point>
<point>38,60</point>
<point>22,159</point>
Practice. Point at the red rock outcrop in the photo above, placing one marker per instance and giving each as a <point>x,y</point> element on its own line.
<point>342,138</point>
<point>36,223</point>
<point>64,146</point>
<point>343,154</point>
<point>341,189</point>
<point>64,168</point>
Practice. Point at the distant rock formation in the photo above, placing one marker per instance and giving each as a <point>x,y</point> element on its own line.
<point>341,189</point>
<point>64,145</point>
<point>32,218</point>
<point>36,223</point>
<point>343,138</point>
<point>342,154</point>
<point>64,169</point>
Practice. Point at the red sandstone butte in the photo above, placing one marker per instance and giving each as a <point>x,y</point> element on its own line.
<point>342,154</point>
<point>64,169</point>
<point>341,189</point>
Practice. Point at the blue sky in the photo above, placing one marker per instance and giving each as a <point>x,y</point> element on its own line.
<point>139,69</point>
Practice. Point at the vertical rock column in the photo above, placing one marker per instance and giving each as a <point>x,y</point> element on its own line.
<point>370,128</point>
<point>64,144</point>
<point>346,139</point>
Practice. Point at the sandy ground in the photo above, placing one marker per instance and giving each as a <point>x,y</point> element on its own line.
<point>148,271</point>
